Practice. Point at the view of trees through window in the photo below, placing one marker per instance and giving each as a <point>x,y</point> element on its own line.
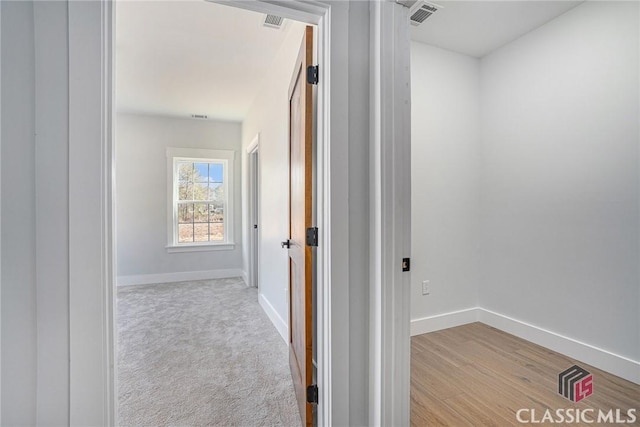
<point>201,201</point>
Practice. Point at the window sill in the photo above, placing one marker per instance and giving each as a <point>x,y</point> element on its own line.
<point>201,248</point>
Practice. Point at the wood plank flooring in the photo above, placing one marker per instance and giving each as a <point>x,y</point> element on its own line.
<point>476,375</point>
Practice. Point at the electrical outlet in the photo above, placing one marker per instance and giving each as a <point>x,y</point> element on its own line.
<point>425,287</point>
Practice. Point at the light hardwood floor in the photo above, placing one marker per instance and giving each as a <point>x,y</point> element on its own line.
<point>476,375</point>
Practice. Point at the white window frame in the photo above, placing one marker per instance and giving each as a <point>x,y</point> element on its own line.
<point>227,158</point>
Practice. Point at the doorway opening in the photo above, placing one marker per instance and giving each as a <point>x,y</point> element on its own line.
<point>91,99</point>
<point>513,125</point>
<point>201,135</point>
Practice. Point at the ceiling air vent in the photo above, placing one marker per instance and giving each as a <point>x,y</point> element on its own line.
<point>421,10</point>
<point>273,21</point>
<point>199,116</point>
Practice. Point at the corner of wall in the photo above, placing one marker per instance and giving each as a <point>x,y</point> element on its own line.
<point>272,314</point>
<point>245,275</point>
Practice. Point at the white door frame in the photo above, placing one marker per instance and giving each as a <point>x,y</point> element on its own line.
<point>253,211</point>
<point>390,200</point>
<point>92,379</point>
<point>92,375</point>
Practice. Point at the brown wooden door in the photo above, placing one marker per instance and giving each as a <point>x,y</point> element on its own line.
<point>300,216</point>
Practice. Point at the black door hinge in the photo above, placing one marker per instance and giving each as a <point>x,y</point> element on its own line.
<point>312,236</point>
<point>312,74</point>
<point>312,394</point>
<point>406,264</point>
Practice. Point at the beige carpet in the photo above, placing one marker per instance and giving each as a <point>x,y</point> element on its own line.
<point>200,353</point>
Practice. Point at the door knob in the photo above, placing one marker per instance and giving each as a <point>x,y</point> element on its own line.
<point>286,244</point>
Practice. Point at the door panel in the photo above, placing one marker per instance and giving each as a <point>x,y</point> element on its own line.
<point>301,205</point>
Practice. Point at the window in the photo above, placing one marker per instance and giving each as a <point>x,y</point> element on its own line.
<point>200,199</point>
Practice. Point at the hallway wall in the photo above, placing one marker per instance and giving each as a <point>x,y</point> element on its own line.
<point>269,117</point>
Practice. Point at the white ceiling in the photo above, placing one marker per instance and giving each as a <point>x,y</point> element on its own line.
<point>195,57</point>
<point>191,57</point>
<point>478,27</point>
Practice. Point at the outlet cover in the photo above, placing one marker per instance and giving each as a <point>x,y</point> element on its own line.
<point>425,287</point>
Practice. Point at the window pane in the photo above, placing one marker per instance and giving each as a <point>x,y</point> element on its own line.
<point>201,232</point>
<point>216,231</point>
<point>185,213</point>
<point>216,214</point>
<point>201,212</point>
<point>185,171</point>
<point>201,171</point>
<point>215,172</point>
<point>185,233</point>
<point>185,191</point>
<point>216,194</point>
<point>200,191</point>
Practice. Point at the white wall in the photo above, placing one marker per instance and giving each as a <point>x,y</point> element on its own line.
<point>19,339</point>
<point>52,211</point>
<point>445,117</point>
<point>269,116</point>
<point>559,177</point>
<point>141,194</point>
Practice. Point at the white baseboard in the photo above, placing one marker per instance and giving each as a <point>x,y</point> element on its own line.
<point>443,321</point>
<point>278,322</point>
<point>182,276</point>
<point>597,357</point>
<point>602,359</point>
